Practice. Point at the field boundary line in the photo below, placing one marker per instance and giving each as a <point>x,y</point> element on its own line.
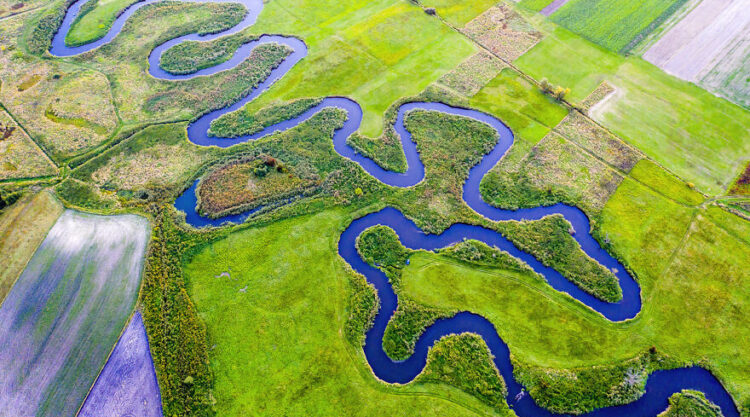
<point>40,147</point>
<point>680,245</point>
<point>531,79</point>
<point>107,146</point>
<point>106,361</point>
<point>623,172</point>
<point>12,15</point>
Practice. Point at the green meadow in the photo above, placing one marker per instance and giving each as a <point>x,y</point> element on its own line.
<point>276,325</point>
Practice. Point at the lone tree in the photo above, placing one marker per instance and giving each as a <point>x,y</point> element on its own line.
<point>6,131</point>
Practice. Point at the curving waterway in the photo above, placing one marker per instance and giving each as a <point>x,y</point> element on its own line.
<point>660,384</point>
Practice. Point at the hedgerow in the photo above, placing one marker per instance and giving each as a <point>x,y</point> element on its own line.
<point>177,336</point>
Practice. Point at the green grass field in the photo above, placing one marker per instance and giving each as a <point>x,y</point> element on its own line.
<point>94,21</point>
<point>267,319</point>
<point>613,24</point>
<point>286,349</point>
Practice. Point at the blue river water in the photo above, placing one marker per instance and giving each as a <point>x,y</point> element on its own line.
<point>660,384</point>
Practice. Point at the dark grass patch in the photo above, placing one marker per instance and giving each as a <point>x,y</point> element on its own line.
<point>240,122</point>
<point>479,253</point>
<point>550,241</point>
<point>741,186</point>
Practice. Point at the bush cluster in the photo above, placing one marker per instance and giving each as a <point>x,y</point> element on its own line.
<point>550,241</point>
<point>465,362</point>
<point>41,36</point>
<point>176,334</point>
<point>579,390</point>
<point>241,122</point>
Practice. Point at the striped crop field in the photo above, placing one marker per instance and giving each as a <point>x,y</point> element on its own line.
<point>64,314</point>
<point>615,24</point>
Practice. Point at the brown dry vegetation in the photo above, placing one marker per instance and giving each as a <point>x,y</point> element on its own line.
<point>601,143</point>
<point>158,156</point>
<point>503,31</point>
<point>241,184</point>
<point>474,73</point>
<point>19,155</point>
<point>555,166</point>
<point>35,89</point>
<point>741,186</point>
<point>602,91</point>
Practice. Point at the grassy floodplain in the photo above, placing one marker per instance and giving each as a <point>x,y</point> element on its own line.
<point>363,50</point>
<point>298,362</point>
<point>276,301</point>
<point>64,314</point>
<point>94,20</point>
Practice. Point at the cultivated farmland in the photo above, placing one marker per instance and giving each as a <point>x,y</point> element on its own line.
<point>616,25</point>
<point>65,312</point>
<point>710,47</point>
<point>127,384</point>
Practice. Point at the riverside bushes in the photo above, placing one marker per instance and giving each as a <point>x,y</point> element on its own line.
<point>579,390</point>
<point>479,253</point>
<point>550,242</point>
<point>689,403</point>
<point>363,305</point>
<point>241,122</point>
<point>176,334</point>
<point>465,362</point>
<point>41,36</point>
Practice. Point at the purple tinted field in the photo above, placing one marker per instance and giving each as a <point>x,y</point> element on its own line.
<point>66,311</point>
<point>127,385</point>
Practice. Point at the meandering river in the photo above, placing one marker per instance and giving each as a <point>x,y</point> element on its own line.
<point>660,384</point>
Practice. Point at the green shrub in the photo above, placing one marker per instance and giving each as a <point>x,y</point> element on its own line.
<point>465,362</point>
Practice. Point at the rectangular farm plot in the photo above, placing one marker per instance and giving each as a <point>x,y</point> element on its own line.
<point>64,314</point>
<point>615,24</point>
<point>710,46</point>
